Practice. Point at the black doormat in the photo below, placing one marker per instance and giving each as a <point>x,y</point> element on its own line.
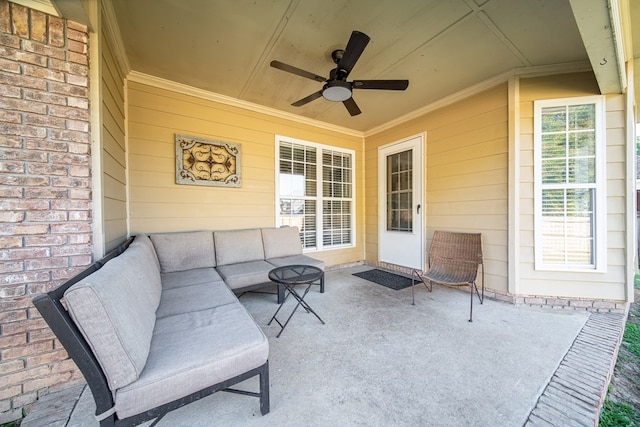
<point>384,278</point>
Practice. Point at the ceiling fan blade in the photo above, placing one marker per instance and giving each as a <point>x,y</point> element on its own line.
<point>352,107</point>
<point>380,84</point>
<point>307,99</point>
<point>297,71</point>
<point>354,49</point>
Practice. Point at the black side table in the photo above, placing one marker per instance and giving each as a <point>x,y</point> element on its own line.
<point>289,276</point>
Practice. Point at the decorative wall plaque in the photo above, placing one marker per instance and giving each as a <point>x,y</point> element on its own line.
<point>202,161</point>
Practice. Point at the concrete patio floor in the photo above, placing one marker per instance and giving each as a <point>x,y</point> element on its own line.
<point>379,360</point>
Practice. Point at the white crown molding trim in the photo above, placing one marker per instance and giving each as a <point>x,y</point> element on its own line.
<point>112,32</point>
<point>525,72</point>
<point>161,83</point>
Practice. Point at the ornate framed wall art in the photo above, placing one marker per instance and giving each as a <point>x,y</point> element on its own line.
<point>201,161</point>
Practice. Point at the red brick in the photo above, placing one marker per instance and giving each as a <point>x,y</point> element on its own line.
<point>79,148</point>
<point>17,205</point>
<point>43,73</point>
<point>23,327</point>
<point>11,316</point>
<point>77,26</point>
<point>78,125</point>
<point>20,105</point>
<point>24,399</point>
<point>78,58</point>
<point>47,263</point>
<point>48,358</point>
<point>70,205</point>
<point>46,216</point>
<point>47,381</point>
<point>23,180</point>
<point>25,253</point>
<point>44,193</point>
<point>22,130</point>
<point>47,169</point>
<point>11,242</point>
<point>68,135</point>
<point>10,117</point>
<point>12,366</point>
<point>10,91</point>
<point>82,103</point>
<point>9,66</point>
<point>67,89</point>
<point>78,239</point>
<point>56,31</point>
<point>65,274</point>
<point>77,80</point>
<point>20,20</point>
<point>44,120</point>
<point>12,340</point>
<point>81,260</point>
<point>11,267</point>
<point>70,182</point>
<point>73,34</point>
<point>45,240</point>
<point>20,229</point>
<point>80,193</point>
<point>43,145</point>
<point>28,374</point>
<point>10,192</point>
<point>24,155</point>
<point>10,142</point>
<point>11,167</point>
<point>46,97</point>
<point>8,393</point>
<point>5,17</point>
<point>15,304</point>
<point>38,26</point>
<point>79,215</point>
<point>69,67</point>
<point>13,292</point>
<point>71,250</point>
<point>9,39</point>
<point>69,113</point>
<point>11,216</point>
<point>79,171</point>
<point>77,46</point>
<point>43,50</point>
<point>43,334</point>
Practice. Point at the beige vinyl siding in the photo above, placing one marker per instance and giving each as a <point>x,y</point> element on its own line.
<point>114,181</point>
<point>589,285</point>
<point>466,169</point>
<point>158,204</point>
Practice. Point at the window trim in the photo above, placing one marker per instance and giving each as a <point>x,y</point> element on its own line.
<point>600,203</point>
<point>319,197</point>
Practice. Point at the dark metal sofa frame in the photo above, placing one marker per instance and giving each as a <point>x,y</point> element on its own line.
<point>60,322</point>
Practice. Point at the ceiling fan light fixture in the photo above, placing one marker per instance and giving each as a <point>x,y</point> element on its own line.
<point>336,91</point>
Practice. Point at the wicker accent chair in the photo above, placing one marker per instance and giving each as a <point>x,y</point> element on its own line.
<point>454,260</point>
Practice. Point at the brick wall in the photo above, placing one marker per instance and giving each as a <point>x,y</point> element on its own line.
<point>45,193</point>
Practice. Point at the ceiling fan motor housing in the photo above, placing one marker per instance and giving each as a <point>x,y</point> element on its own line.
<point>336,90</point>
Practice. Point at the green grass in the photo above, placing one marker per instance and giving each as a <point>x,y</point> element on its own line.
<point>631,338</point>
<point>618,415</point>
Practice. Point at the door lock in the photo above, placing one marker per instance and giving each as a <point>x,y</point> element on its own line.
<point>418,212</point>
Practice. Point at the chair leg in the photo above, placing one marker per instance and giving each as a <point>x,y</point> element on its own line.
<point>264,389</point>
<point>471,306</point>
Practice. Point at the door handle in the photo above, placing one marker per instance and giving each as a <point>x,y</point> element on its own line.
<point>418,212</point>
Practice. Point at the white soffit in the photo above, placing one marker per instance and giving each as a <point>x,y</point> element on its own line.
<point>42,5</point>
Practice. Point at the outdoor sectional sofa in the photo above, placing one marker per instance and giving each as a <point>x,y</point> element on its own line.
<point>155,324</point>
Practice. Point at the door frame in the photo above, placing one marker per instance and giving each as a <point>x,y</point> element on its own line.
<point>381,208</point>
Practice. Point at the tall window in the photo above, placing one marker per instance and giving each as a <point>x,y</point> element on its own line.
<point>315,193</point>
<point>569,179</point>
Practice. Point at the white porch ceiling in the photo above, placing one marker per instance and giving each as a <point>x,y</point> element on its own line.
<point>441,47</point>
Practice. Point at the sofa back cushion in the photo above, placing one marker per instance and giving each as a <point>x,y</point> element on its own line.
<point>281,242</point>
<point>234,246</point>
<point>114,309</point>
<point>184,251</point>
<point>143,241</point>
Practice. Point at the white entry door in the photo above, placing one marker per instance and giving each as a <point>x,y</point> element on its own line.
<point>400,206</point>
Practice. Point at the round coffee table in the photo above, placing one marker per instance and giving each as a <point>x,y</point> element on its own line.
<point>289,276</point>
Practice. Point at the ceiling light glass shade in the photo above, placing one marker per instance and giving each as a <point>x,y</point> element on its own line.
<point>336,91</point>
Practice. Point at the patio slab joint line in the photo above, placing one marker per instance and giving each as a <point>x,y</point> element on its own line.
<point>583,384</point>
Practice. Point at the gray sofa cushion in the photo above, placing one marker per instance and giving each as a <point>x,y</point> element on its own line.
<point>194,298</point>
<point>144,241</point>
<point>238,246</point>
<point>296,259</point>
<point>114,308</point>
<point>184,251</point>
<point>178,279</point>
<point>192,351</point>
<point>245,274</point>
<point>281,242</point>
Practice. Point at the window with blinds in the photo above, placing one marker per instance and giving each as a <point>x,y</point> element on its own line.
<point>570,200</point>
<point>315,193</point>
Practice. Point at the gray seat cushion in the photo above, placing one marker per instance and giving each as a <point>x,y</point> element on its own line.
<point>296,259</point>
<point>244,274</point>
<point>194,298</point>
<point>192,351</point>
<point>184,251</point>
<point>114,308</point>
<point>196,276</point>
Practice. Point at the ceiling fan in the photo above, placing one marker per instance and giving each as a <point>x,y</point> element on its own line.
<point>336,88</point>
